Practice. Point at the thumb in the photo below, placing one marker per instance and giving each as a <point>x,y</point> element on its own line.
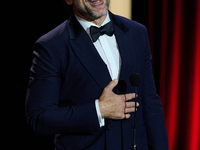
<point>112,84</point>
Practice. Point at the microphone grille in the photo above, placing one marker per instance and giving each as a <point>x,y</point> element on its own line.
<point>135,79</point>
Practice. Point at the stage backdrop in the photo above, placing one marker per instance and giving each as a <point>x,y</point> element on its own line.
<point>174,31</point>
<point>121,7</point>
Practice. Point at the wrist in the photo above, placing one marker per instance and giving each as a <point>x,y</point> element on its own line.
<point>101,108</point>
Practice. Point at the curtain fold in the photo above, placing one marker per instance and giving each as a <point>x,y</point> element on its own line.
<point>176,47</point>
<point>194,126</point>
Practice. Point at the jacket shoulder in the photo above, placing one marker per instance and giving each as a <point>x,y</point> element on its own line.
<point>57,34</point>
<point>130,24</point>
<point>54,44</point>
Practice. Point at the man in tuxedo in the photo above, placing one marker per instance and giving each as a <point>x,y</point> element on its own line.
<point>79,87</point>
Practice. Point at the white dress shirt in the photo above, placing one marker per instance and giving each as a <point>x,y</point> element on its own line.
<point>108,50</point>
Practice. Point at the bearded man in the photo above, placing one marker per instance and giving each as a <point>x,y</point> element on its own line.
<point>79,87</point>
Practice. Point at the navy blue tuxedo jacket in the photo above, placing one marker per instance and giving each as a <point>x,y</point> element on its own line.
<point>68,75</point>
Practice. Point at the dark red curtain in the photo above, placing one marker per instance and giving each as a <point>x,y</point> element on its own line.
<point>174,31</point>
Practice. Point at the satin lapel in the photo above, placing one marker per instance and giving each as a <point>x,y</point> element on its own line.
<point>87,54</point>
<point>127,48</point>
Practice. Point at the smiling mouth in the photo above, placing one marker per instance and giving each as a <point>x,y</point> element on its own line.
<point>94,1</point>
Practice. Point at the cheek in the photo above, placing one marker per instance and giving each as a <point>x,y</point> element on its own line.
<point>79,5</point>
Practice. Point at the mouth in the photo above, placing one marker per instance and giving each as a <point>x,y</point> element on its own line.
<point>95,2</point>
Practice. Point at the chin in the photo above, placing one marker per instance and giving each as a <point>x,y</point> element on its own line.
<point>100,12</point>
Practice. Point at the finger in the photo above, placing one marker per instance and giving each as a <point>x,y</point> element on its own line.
<point>126,116</point>
<point>131,104</point>
<point>129,110</point>
<point>129,96</point>
<point>112,84</point>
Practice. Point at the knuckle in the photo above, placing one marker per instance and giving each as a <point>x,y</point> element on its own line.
<point>126,111</point>
<point>106,89</point>
<point>122,98</point>
<point>121,116</point>
<point>128,105</point>
<point>123,105</point>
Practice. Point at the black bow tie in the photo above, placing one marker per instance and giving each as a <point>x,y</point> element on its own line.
<point>96,32</point>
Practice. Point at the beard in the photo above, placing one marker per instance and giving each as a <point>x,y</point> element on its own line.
<point>88,12</point>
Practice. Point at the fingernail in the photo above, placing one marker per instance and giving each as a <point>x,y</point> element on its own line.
<point>138,104</point>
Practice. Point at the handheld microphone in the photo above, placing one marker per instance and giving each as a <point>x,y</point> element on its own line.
<point>135,80</point>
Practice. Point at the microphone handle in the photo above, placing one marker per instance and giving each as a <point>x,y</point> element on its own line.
<point>135,114</point>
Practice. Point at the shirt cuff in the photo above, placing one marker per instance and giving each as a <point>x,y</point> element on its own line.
<point>101,120</point>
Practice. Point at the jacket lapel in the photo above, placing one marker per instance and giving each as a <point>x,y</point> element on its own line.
<point>87,54</point>
<point>127,48</point>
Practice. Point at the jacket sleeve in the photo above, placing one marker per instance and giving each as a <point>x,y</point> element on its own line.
<point>44,115</point>
<point>153,112</point>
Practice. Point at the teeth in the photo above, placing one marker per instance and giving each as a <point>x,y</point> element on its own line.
<point>94,0</point>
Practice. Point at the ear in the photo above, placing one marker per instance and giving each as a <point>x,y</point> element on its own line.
<point>69,2</point>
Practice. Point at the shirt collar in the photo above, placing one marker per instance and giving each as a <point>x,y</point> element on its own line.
<point>86,24</point>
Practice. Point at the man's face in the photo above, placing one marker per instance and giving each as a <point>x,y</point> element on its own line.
<point>91,9</point>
